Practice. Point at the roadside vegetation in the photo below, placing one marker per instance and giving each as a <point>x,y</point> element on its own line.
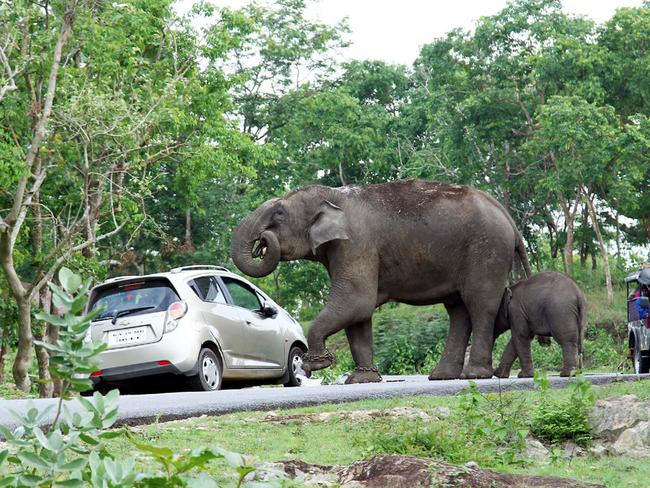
<point>487,429</point>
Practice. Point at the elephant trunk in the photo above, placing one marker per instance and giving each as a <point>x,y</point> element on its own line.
<point>254,254</point>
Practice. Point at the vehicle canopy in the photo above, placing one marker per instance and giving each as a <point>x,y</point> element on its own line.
<point>642,277</point>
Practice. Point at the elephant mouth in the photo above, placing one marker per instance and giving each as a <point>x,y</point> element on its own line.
<point>260,248</point>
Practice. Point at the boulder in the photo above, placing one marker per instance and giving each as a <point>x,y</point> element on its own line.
<point>634,442</point>
<point>610,417</point>
<point>535,449</point>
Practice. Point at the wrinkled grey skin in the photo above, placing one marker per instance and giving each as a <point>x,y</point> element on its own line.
<point>410,241</point>
<point>547,304</point>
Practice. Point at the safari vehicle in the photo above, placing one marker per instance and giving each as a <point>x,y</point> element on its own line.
<point>203,323</point>
<point>638,320</point>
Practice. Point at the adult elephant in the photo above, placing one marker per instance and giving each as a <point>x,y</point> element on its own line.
<point>411,241</point>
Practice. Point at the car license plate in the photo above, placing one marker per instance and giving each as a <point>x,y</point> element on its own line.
<point>126,337</point>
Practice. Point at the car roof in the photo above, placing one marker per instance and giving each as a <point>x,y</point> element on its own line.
<point>182,272</point>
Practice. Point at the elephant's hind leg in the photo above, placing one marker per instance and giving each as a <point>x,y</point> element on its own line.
<point>360,339</point>
<point>451,362</point>
<point>569,356</point>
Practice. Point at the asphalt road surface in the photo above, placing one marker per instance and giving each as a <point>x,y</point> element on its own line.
<point>140,409</point>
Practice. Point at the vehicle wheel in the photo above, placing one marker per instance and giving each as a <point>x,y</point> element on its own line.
<point>210,372</point>
<point>294,367</point>
<point>641,363</point>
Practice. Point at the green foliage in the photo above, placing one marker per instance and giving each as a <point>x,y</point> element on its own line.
<point>72,452</point>
<point>407,340</point>
<point>489,429</point>
<point>560,419</point>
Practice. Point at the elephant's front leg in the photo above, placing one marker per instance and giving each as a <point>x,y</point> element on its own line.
<point>451,362</point>
<point>507,359</point>
<point>352,300</point>
<point>522,337</point>
<point>360,339</point>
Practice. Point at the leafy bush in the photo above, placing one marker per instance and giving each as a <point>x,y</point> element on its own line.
<point>71,452</point>
<point>409,340</point>
<point>564,418</point>
<point>487,428</point>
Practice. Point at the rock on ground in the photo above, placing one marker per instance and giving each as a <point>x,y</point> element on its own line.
<point>611,416</point>
<point>623,423</point>
<point>407,471</point>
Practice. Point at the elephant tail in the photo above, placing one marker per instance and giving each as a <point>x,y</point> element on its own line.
<point>521,258</point>
<point>582,327</point>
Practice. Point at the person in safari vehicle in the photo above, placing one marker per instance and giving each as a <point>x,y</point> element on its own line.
<point>638,319</point>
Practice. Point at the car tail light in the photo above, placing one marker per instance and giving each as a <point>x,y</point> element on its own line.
<point>164,362</point>
<point>96,373</point>
<point>175,312</point>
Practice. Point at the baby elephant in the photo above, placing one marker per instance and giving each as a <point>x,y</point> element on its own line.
<point>547,304</point>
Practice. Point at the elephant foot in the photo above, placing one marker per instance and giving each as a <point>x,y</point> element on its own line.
<point>526,374</point>
<point>312,361</point>
<point>444,373</point>
<point>501,373</point>
<point>363,375</point>
<point>477,372</point>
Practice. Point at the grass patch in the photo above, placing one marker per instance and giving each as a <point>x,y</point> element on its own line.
<point>342,441</point>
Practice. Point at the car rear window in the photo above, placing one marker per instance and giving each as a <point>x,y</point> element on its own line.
<point>148,296</point>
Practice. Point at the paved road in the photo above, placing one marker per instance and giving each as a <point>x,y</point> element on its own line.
<point>139,409</point>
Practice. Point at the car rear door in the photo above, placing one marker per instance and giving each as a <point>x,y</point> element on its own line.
<point>224,319</point>
<point>266,346</point>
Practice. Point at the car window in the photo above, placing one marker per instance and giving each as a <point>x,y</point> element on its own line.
<point>207,289</point>
<point>243,295</point>
<point>141,297</point>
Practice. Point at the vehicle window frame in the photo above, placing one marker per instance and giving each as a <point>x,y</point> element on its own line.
<point>154,282</point>
<point>220,286</point>
<point>231,301</point>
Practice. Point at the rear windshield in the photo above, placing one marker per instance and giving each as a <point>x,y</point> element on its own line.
<point>141,297</point>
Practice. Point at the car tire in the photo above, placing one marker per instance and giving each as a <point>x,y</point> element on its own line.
<point>210,372</point>
<point>294,367</point>
<point>640,362</point>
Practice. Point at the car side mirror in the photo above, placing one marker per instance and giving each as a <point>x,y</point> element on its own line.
<point>268,310</point>
<point>644,302</point>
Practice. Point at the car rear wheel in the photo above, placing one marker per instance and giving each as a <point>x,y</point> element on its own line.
<point>210,372</point>
<point>294,367</point>
<point>641,363</point>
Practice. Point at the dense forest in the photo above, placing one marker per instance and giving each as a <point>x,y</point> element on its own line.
<point>133,137</point>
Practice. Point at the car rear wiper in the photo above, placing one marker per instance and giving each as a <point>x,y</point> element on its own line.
<point>129,311</point>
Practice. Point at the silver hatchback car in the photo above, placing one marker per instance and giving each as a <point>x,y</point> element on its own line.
<point>202,322</point>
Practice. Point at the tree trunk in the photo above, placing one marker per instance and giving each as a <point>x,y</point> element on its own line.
<point>52,333</point>
<point>23,359</point>
<point>569,218</point>
<point>568,246</point>
<point>603,249</point>
<point>45,386</point>
<point>618,237</point>
<point>4,349</point>
<point>188,229</point>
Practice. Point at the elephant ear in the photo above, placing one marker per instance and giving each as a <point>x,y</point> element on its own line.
<point>330,224</point>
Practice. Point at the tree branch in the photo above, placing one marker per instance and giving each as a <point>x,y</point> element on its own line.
<point>41,124</point>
